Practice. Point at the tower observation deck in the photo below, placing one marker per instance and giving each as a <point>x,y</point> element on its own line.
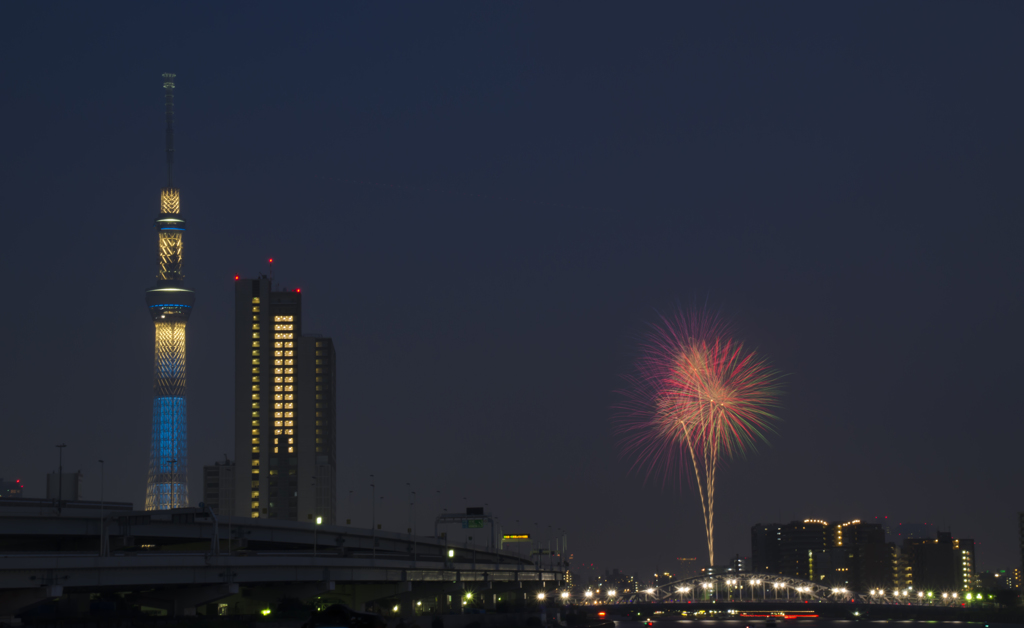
<point>170,304</point>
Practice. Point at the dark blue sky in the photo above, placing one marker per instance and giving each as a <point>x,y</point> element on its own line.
<point>486,204</point>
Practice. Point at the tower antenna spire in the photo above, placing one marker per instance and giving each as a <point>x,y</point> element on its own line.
<point>169,113</point>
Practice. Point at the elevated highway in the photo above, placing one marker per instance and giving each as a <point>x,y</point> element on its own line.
<point>180,560</point>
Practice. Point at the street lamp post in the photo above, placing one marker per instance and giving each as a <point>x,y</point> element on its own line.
<point>373,515</point>
<point>102,474</point>
<point>60,477</point>
<point>316,525</point>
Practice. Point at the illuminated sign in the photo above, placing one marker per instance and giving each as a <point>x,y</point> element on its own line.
<point>515,537</point>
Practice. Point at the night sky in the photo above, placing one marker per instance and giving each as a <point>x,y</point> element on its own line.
<point>486,205</point>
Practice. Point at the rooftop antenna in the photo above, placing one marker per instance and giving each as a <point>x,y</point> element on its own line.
<point>169,113</point>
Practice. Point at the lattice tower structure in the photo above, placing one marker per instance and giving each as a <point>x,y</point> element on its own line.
<point>170,305</point>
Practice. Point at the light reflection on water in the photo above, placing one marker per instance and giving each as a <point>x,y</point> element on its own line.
<point>817,622</point>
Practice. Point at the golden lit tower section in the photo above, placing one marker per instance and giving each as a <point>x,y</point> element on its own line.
<point>170,304</point>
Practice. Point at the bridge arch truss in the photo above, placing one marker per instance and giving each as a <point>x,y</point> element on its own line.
<point>739,588</point>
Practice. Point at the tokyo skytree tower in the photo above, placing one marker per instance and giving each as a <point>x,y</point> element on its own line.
<point>170,304</point>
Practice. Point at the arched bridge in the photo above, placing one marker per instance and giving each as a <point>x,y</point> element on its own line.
<point>729,587</point>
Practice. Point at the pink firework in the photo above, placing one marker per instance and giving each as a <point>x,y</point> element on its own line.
<point>697,398</point>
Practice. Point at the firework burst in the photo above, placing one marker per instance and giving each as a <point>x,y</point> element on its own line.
<point>698,398</point>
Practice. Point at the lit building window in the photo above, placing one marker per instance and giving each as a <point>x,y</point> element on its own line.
<point>289,423</point>
<point>291,450</point>
<point>289,432</point>
<point>255,300</point>
<point>275,450</point>
<point>255,441</point>
<point>277,423</point>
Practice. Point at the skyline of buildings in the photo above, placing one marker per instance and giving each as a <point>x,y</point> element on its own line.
<point>856,555</point>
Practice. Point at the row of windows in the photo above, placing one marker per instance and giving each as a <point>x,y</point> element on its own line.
<point>284,318</point>
<point>283,327</point>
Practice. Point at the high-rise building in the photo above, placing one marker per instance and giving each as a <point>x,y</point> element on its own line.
<point>850,554</point>
<point>284,408</point>
<point>940,564</point>
<point>170,304</point>
<point>219,488</point>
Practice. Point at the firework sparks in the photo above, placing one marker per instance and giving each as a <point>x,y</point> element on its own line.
<point>697,399</point>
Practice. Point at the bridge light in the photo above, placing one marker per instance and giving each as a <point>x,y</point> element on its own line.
<point>945,595</point>
<point>611,592</point>
<point>648,591</point>
<point>451,553</point>
<point>540,596</point>
<point>265,612</point>
<point>920,594</point>
<point>588,594</point>
<point>565,595</point>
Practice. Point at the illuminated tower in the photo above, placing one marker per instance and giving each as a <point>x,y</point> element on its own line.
<point>170,304</point>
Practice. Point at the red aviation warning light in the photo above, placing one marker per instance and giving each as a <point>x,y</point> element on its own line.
<point>236,277</point>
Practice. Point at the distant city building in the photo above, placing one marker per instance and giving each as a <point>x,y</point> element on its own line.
<point>996,580</point>
<point>10,489</point>
<point>734,566</point>
<point>896,532</point>
<point>219,488</point>
<point>688,567</point>
<point>766,548</point>
<point>68,486</point>
<point>848,554</point>
<point>1020,523</point>
<point>940,564</point>
<point>284,409</point>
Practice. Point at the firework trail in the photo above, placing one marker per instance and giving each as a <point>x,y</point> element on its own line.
<point>698,398</point>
